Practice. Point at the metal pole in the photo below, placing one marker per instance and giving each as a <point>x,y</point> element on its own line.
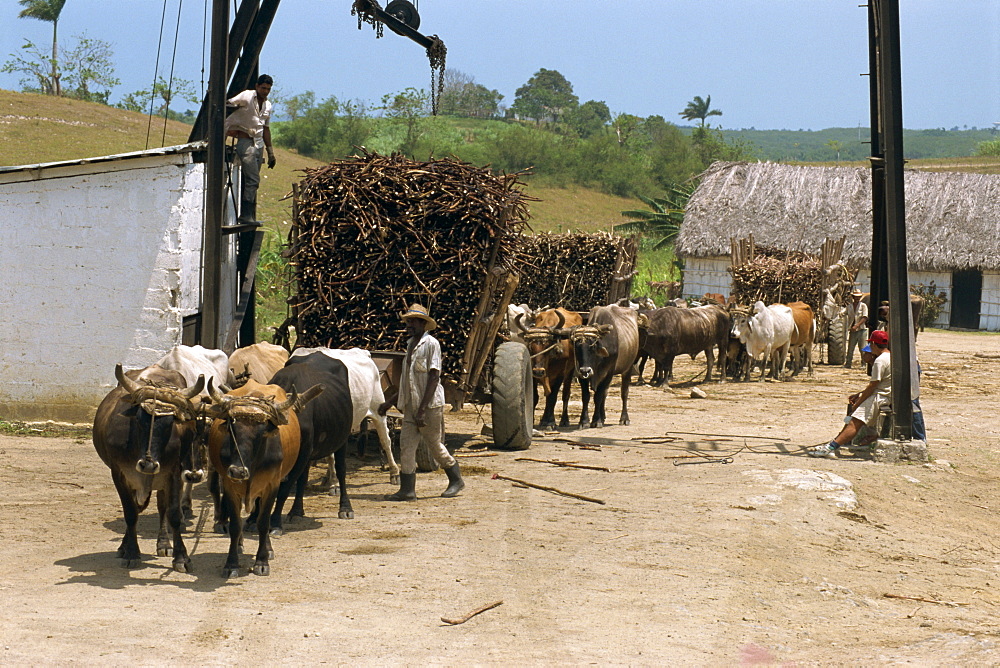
<point>900,326</point>
<point>211,285</point>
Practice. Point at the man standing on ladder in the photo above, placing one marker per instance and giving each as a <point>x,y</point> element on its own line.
<point>249,123</point>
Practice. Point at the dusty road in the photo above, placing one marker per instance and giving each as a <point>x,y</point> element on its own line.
<point>773,559</point>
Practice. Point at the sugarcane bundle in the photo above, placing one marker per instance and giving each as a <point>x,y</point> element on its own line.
<point>576,271</point>
<point>772,275</point>
<point>373,234</point>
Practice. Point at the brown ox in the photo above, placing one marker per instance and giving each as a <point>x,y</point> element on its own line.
<point>259,361</point>
<point>714,298</point>
<point>605,347</point>
<point>802,337</point>
<point>253,445</point>
<point>552,360</point>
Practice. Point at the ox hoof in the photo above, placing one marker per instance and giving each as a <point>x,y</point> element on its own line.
<point>277,531</point>
<point>394,479</point>
<point>183,566</point>
<point>346,514</point>
<point>220,527</point>
<point>334,490</point>
<point>596,425</point>
<point>230,572</point>
<point>164,551</point>
<point>261,569</point>
<point>129,563</point>
<point>624,421</point>
<point>188,512</point>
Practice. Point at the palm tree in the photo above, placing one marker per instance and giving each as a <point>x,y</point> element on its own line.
<point>700,109</point>
<point>664,217</point>
<point>46,10</point>
<point>836,146</point>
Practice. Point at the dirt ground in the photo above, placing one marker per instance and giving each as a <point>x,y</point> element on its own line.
<point>775,558</point>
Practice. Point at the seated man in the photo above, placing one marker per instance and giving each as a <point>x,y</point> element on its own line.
<point>866,404</point>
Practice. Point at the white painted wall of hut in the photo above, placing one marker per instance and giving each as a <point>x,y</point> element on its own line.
<point>711,274</point>
<point>706,274</point>
<point>989,317</point>
<point>99,262</point>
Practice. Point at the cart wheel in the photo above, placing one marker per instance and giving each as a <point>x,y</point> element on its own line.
<point>836,352</point>
<point>513,412</point>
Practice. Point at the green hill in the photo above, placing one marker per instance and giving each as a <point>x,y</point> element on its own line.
<point>40,128</point>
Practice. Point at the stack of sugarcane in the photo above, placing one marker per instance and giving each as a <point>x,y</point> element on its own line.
<point>373,234</point>
<point>575,271</point>
<point>773,275</point>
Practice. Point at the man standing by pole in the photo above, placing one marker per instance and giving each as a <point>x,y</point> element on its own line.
<point>421,398</point>
<point>857,321</point>
<point>249,124</point>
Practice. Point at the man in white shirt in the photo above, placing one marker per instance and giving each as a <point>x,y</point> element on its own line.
<point>866,404</point>
<point>421,399</point>
<point>857,326</point>
<point>249,124</point>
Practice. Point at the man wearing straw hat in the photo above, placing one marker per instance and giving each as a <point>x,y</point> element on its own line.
<point>857,320</point>
<point>421,399</point>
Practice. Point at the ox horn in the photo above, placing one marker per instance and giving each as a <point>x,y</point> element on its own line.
<point>292,397</point>
<point>217,396</point>
<point>562,319</point>
<point>130,385</point>
<point>194,390</point>
<point>517,321</point>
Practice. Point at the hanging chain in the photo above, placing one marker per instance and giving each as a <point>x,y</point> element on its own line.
<point>437,52</point>
<point>365,14</point>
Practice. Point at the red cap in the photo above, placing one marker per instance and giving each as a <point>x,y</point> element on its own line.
<point>879,338</point>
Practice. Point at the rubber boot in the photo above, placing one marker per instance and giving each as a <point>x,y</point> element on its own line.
<point>455,482</point>
<point>407,485</point>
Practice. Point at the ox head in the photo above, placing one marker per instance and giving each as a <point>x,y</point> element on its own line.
<point>248,422</point>
<point>159,413</point>
<point>740,316</point>
<point>588,346</point>
<point>544,343</point>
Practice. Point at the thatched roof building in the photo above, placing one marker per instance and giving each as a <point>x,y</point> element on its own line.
<point>952,219</point>
<point>952,227</point>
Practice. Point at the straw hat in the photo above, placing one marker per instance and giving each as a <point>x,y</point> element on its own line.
<point>418,311</point>
<point>857,293</point>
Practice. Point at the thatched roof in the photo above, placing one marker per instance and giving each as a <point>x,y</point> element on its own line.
<point>952,219</point>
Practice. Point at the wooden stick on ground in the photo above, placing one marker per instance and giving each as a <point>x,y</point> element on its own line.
<point>475,454</point>
<point>464,618</point>
<point>556,462</point>
<point>923,600</point>
<point>548,489</point>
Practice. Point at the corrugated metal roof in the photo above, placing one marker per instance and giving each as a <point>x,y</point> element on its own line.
<point>148,153</point>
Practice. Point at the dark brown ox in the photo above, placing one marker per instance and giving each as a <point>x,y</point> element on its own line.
<point>677,331</point>
<point>605,347</point>
<point>253,444</point>
<point>552,360</point>
<point>143,431</point>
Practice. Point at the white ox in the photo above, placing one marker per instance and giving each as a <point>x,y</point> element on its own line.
<point>366,397</point>
<point>259,361</point>
<point>191,362</point>
<point>769,332</point>
<point>511,329</point>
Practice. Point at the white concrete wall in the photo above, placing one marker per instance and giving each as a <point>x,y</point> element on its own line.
<point>989,318</point>
<point>98,265</point>
<point>706,274</point>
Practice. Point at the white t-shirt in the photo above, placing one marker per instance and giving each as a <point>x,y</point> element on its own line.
<point>882,372</point>
<point>250,116</point>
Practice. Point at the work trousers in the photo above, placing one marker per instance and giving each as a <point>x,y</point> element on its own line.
<point>859,340</point>
<point>432,433</point>
<point>250,159</point>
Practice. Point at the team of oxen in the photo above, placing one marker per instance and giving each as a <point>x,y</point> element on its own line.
<point>259,417</point>
<point>618,340</point>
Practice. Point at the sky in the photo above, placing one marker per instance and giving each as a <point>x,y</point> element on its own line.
<point>775,64</point>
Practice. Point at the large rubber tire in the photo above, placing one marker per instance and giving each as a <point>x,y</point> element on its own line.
<point>513,412</point>
<point>836,348</point>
